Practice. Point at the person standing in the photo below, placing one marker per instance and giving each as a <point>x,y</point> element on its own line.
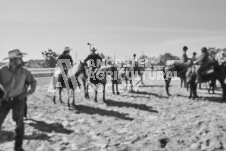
<point>13,78</point>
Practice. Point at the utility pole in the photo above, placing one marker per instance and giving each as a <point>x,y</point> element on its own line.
<point>76,57</point>
<point>90,46</point>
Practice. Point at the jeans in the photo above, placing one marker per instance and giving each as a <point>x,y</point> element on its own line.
<point>17,105</point>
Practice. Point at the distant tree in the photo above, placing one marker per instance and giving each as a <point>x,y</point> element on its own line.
<point>143,57</point>
<point>167,56</point>
<point>50,58</point>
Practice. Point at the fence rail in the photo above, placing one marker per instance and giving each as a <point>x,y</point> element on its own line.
<point>47,72</point>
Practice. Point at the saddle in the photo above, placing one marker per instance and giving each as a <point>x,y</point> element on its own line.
<point>208,70</point>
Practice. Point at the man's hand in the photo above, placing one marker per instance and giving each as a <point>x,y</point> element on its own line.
<point>2,93</point>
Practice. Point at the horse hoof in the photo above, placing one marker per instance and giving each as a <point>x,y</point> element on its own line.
<point>113,92</point>
<point>118,93</point>
<point>189,97</point>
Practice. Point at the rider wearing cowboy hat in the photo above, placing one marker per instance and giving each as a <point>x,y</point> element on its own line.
<point>13,78</point>
<point>66,55</point>
<point>95,60</point>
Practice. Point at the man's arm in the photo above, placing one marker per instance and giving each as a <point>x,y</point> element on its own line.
<point>32,83</point>
<point>87,58</point>
<point>71,60</point>
<point>199,59</point>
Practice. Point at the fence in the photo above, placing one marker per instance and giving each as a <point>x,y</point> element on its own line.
<point>47,72</point>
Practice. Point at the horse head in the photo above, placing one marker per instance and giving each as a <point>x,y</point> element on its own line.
<point>82,68</point>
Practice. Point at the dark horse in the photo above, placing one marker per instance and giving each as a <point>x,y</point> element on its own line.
<point>218,73</point>
<point>69,79</point>
<point>100,77</point>
<point>176,69</point>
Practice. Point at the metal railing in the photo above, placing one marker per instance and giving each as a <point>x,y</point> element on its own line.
<point>47,72</point>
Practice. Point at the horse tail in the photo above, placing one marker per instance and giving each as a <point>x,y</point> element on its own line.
<point>164,72</point>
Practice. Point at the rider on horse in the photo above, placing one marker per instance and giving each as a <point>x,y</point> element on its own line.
<point>201,62</point>
<point>66,55</point>
<point>95,61</point>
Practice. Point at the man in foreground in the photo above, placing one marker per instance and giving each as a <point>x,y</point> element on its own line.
<point>13,78</point>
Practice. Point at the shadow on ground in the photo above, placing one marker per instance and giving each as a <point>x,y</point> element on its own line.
<point>92,110</point>
<point>48,128</point>
<point>143,107</point>
<point>143,93</point>
<point>7,136</point>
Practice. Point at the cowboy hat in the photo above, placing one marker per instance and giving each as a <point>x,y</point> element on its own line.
<point>15,53</point>
<point>67,49</point>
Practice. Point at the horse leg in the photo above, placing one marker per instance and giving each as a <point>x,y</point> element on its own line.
<point>73,95</point>
<point>167,86</point>
<point>213,85</point>
<point>190,90</point>
<point>112,87</point>
<point>125,88</point>
<point>181,82</point>
<point>195,91</point>
<point>117,89</point>
<point>103,92</point>
<point>60,91</point>
<point>86,89</point>
<point>142,79</point>
<point>54,97</point>
<point>95,99</point>
<point>68,99</point>
<point>223,89</point>
<point>131,86</point>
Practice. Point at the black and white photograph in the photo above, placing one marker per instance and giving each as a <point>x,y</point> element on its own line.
<point>112,75</point>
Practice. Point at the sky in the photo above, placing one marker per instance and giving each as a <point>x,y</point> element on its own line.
<point>114,27</point>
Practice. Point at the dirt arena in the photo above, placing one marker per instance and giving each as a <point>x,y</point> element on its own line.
<point>147,120</point>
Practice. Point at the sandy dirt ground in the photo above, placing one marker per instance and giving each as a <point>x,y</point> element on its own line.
<point>147,120</point>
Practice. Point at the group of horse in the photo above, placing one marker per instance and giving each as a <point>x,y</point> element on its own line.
<point>214,71</point>
<point>81,73</point>
<point>71,79</point>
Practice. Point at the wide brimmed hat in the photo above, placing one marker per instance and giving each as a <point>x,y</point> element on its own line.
<point>15,53</point>
<point>67,49</point>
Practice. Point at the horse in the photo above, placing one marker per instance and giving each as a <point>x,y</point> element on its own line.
<point>128,72</point>
<point>177,67</point>
<point>217,73</point>
<point>100,77</point>
<point>69,79</point>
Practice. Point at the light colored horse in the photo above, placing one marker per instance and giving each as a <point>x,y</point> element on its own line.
<point>63,78</point>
